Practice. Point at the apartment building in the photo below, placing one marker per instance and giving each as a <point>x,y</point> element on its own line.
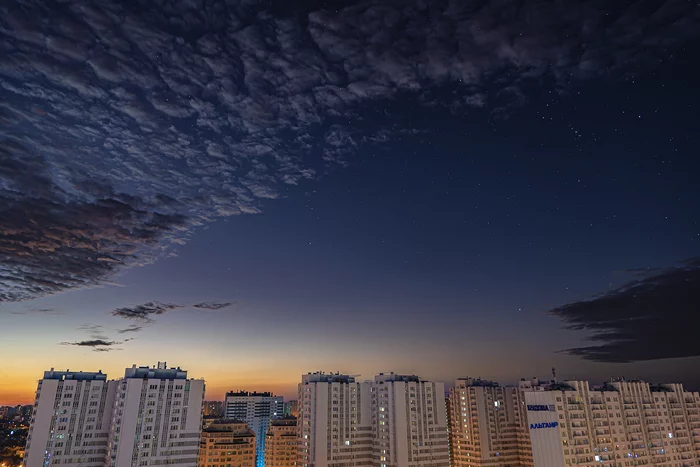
<point>227,443</point>
<point>70,424</point>
<point>488,425</point>
<point>621,423</point>
<point>335,421</point>
<point>256,409</point>
<point>152,416</point>
<point>393,421</point>
<point>156,418</point>
<point>410,422</point>
<point>281,445</point>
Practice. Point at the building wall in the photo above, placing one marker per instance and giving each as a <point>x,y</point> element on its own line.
<point>156,420</point>
<point>70,424</point>
<point>335,424</point>
<point>227,444</point>
<point>257,410</point>
<point>489,425</point>
<point>410,424</point>
<point>622,424</point>
<point>281,446</point>
<point>395,421</point>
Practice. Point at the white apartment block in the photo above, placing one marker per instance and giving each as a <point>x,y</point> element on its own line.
<point>409,426</point>
<point>256,409</point>
<point>488,425</point>
<point>157,418</point>
<point>151,417</point>
<point>622,423</point>
<point>71,420</point>
<point>393,421</point>
<point>335,421</point>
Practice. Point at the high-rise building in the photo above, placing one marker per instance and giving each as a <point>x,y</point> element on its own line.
<point>256,409</point>
<point>71,420</point>
<point>156,418</point>
<point>150,417</point>
<point>226,443</point>
<point>622,423</point>
<point>393,421</point>
<point>410,423</point>
<point>449,428</point>
<point>291,408</point>
<point>488,425</point>
<point>281,445</point>
<point>335,421</point>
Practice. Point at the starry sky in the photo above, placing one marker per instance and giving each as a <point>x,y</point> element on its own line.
<point>254,190</point>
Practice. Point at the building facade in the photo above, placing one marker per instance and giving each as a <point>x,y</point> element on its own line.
<point>227,443</point>
<point>393,421</point>
<point>70,425</point>
<point>335,421</point>
<point>409,422</point>
<point>152,416</point>
<point>281,445</point>
<point>488,425</point>
<point>622,423</point>
<point>157,418</point>
<point>256,409</point>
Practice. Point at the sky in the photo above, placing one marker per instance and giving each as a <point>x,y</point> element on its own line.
<point>255,190</point>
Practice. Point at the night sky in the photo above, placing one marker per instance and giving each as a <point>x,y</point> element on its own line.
<point>254,190</point>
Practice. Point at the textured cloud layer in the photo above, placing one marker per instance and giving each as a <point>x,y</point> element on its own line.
<point>652,318</point>
<point>145,312</point>
<point>125,125</point>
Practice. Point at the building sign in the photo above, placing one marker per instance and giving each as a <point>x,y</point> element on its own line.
<point>540,408</point>
<point>534,426</point>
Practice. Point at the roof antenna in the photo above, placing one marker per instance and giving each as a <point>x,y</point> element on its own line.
<point>554,374</point>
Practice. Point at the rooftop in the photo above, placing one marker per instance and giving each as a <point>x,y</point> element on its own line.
<point>249,394</point>
<point>390,377</point>
<point>160,372</point>
<point>75,375</point>
<point>321,377</point>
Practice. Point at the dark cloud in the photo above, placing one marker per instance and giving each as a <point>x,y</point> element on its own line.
<point>98,345</point>
<point>132,328</point>
<point>145,312</point>
<point>212,305</point>
<point>651,318</point>
<point>126,125</point>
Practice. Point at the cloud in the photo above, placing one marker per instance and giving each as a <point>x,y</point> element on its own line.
<point>145,311</point>
<point>98,345</point>
<point>155,119</point>
<point>96,331</point>
<point>212,305</point>
<point>654,317</point>
<point>132,328</point>
<point>37,311</point>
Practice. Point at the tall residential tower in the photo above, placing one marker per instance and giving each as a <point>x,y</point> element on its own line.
<point>256,409</point>
<point>157,418</point>
<point>71,420</point>
<point>335,421</point>
<point>410,423</point>
<point>488,425</point>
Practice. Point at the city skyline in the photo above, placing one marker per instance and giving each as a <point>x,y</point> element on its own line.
<point>254,190</point>
<point>291,393</point>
